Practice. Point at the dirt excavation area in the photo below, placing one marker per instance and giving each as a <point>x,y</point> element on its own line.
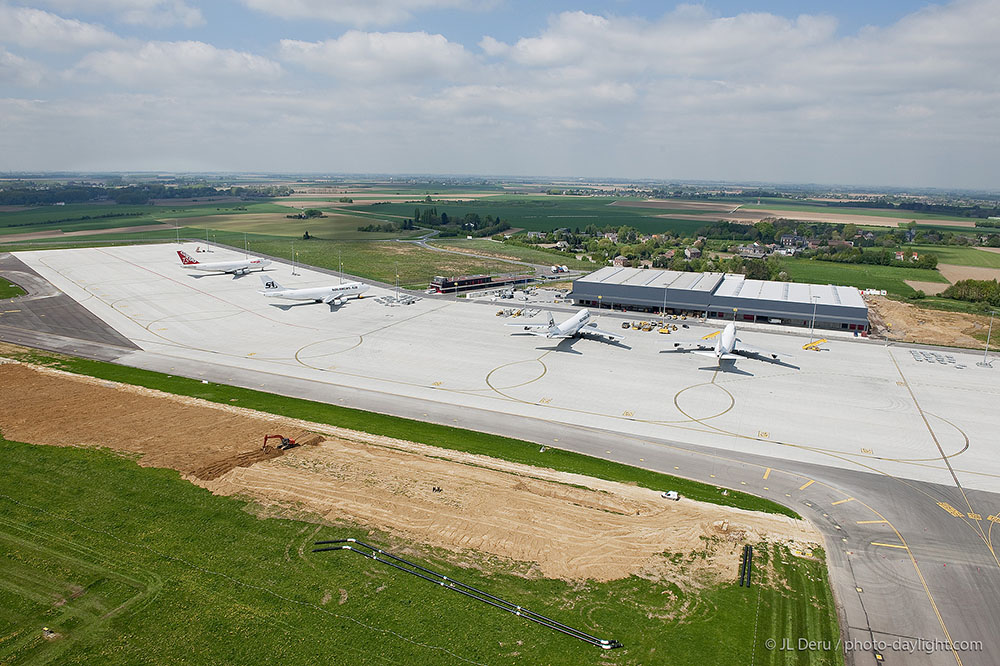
<point>543,522</point>
<point>908,323</point>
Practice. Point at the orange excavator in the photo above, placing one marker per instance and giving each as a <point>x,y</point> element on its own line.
<point>285,444</point>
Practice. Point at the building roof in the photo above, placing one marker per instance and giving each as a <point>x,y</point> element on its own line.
<point>737,286</point>
<point>727,285</point>
<point>654,278</point>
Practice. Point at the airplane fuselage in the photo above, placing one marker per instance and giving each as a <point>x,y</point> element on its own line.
<point>727,341</point>
<point>571,326</point>
<point>320,294</point>
<point>236,267</point>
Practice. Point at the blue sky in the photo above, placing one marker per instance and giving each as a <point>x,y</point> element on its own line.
<point>853,93</point>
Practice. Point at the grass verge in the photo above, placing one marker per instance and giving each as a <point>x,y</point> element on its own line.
<point>9,290</point>
<point>134,565</point>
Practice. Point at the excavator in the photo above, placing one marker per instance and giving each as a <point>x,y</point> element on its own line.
<point>285,444</point>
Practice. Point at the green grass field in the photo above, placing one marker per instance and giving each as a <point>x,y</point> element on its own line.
<point>9,289</point>
<point>862,276</point>
<point>517,252</point>
<point>961,256</point>
<point>334,226</point>
<point>548,212</point>
<point>134,565</point>
<point>380,260</point>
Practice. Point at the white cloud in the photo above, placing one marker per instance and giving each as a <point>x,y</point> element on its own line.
<point>356,12</point>
<point>155,13</point>
<point>689,94</point>
<point>376,57</point>
<point>37,29</point>
<point>15,70</point>
<point>185,65</point>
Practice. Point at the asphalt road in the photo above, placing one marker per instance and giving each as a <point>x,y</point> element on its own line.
<point>911,563</point>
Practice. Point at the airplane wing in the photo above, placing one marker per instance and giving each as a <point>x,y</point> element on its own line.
<point>530,327</point>
<point>744,349</point>
<point>723,357</point>
<point>336,299</point>
<point>701,343</point>
<point>593,330</point>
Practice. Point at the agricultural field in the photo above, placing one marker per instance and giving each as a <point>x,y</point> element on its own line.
<point>121,562</point>
<point>862,276</point>
<point>836,211</point>
<point>549,212</point>
<point>383,260</point>
<point>111,216</point>
<point>334,226</point>
<point>516,252</point>
<point>959,256</point>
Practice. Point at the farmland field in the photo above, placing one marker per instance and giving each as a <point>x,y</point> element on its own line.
<point>517,252</point>
<point>960,256</point>
<point>111,216</point>
<point>862,276</point>
<point>844,210</point>
<point>546,213</point>
<point>335,226</point>
<point>380,260</point>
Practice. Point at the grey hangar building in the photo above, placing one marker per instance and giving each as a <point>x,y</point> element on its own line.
<point>723,296</point>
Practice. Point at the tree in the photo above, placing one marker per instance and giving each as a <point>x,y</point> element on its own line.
<point>306,235</point>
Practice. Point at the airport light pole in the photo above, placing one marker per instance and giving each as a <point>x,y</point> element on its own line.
<point>985,363</point>
<point>293,258</point>
<point>813,324</point>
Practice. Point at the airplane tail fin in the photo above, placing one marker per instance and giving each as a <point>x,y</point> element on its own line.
<point>270,284</point>
<point>186,258</point>
<point>552,320</point>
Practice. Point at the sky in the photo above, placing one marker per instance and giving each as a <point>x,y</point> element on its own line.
<point>889,93</point>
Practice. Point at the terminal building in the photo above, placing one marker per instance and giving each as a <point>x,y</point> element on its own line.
<point>723,296</point>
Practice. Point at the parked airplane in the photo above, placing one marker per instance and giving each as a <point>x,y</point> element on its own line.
<point>725,347</point>
<point>335,295</point>
<point>238,267</point>
<point>577,325</point>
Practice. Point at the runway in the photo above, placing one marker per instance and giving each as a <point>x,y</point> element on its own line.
<point>888,453</point>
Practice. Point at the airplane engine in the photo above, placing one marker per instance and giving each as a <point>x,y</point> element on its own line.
<point>338,301</point>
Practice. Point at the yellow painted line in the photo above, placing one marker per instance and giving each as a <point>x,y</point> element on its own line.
<point>870,522</point>
<point>842,501</point>
<point>767,473</point>
<point>890,545</point>
<point>710,335</point>
<point>806,484</point>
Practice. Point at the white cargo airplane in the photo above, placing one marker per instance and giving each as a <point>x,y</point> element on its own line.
<point>238,267</point>
<point>577,325</point>
<point>333,296</point>
<point>725,348</point>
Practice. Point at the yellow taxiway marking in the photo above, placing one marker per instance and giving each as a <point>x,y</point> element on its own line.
<point>890,545</point>
<point>842,501</point>
<point>806,484</point>
<point>870,522</point>
<point>767,473</point>
<point>710,335</point>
